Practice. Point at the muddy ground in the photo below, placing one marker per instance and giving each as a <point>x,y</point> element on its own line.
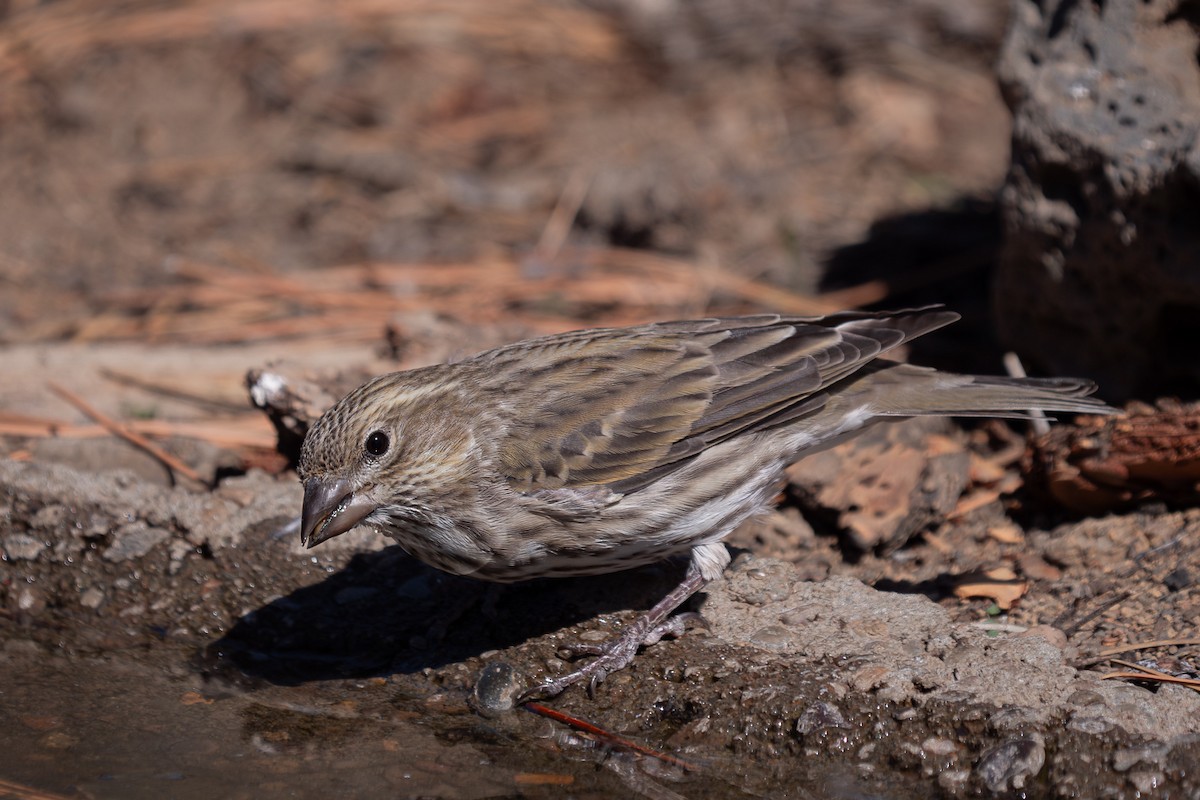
<point>192,192</point>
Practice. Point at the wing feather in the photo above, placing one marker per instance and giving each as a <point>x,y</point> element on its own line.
<point>620,408</point>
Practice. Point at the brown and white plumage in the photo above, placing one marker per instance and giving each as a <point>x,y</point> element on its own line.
<point>600,450</point>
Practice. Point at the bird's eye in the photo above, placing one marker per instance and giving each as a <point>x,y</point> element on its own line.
<point>378,444</point>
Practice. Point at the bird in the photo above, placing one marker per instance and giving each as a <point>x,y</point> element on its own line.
<point>604,449</point>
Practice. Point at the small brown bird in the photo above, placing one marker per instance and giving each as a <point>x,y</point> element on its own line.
<point>601,450</point>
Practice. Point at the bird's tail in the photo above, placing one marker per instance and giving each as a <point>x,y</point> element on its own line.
<point>905,390</point>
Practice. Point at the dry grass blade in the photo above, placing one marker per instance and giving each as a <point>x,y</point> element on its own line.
<point>71,30</point>
<point>117,429</point>
<point>1126,648</point>
<point>558,226</point>
<point>251,431</point>
<point>1071,630</point>
<point>1141,673</point>
<point>355,302</point>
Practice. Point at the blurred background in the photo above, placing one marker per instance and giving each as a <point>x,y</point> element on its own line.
<point>454,174</point>
<point>461,173</point>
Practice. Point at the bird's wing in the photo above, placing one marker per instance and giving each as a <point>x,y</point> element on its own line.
<point>620,408</point>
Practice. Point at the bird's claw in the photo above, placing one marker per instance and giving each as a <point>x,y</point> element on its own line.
<point>611,656</point>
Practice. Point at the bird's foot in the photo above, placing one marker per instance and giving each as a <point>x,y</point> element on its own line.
<point>611,656</point>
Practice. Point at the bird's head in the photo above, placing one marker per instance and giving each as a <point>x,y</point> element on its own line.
<point>375,450</point>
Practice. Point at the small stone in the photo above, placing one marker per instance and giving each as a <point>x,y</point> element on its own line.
<point>30,600</point>
<point>134,541</point>
<point>954,781</point>
<point>497,689</point>
<point>1128,757</point>
<point>1179,579</point>
<point>1092,725</point>
<point>178,550</point>
<point>91,598</point>
<point>939,746</point>
<point>818,716</point>
<point>21,546</point>
<point>1146,781</point>
<point>1010,764</point>
<point>51,517</point>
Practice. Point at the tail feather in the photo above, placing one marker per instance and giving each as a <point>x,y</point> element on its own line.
<point>904,390</point>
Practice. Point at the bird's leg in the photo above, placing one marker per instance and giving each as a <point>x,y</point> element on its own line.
<point>617,654</point>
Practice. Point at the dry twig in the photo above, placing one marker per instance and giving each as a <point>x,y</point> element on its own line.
<point>117,429</point>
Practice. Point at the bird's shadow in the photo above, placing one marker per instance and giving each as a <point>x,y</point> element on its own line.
<point>386,613</point>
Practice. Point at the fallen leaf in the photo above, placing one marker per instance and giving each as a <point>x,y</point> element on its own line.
<point>999,584</point>
<point>1007,534</point>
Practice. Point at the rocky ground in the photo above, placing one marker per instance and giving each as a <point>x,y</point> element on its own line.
<point>196,193</point>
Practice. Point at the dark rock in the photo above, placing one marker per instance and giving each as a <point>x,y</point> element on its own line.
<point>1100,271</point>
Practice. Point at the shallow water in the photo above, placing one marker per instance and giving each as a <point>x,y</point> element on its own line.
<point>152,726</point>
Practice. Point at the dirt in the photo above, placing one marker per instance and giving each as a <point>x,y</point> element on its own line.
<point>193,192</point>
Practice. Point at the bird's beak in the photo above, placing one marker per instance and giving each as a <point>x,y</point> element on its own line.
<point>331,507</point>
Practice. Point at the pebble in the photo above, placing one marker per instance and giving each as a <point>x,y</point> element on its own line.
<point>1146,781</point>
<point>1092,725</point>
<point>134,541</point>
<point>91,598</point>
<point>939,746</point>
<point>22,546</point>
<point>49,517</point>
<point>954,781</point>
<point>1009,764</point>
<point>1128,757</point>
<point>820,715</point>
<point>497,689</point>
<point>30,600</point>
